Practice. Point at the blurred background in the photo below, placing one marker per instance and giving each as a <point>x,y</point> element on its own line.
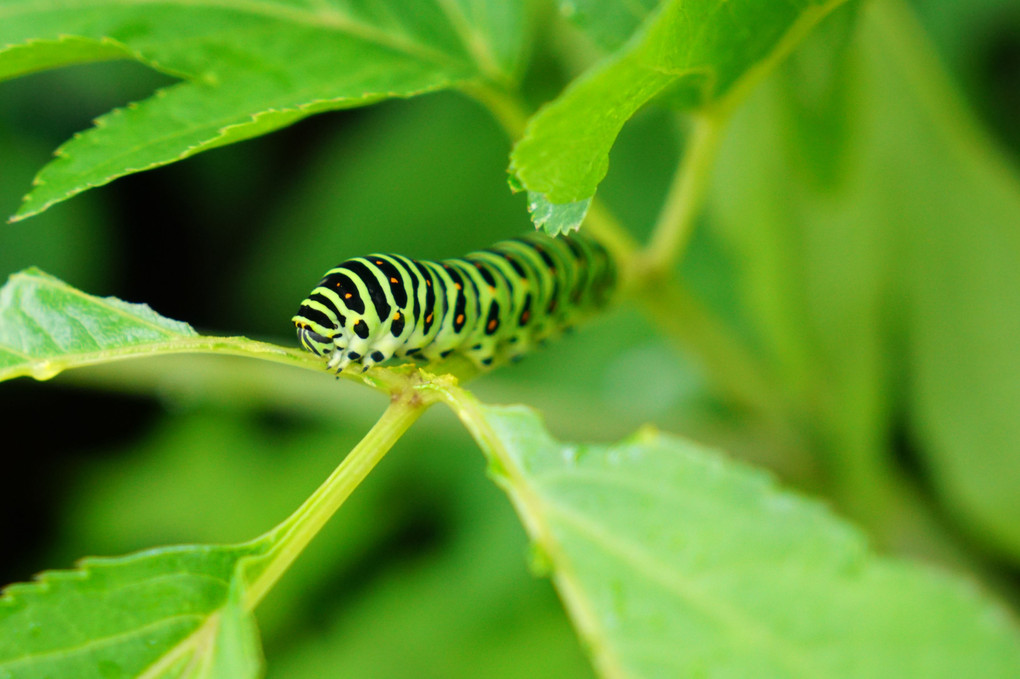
<point>424,572</point>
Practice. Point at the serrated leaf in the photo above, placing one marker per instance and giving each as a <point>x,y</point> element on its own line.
<point>556,219</point>
<point>39,55</point>
<point>171,612</point>
<point>47,326</point>
<point>700,51</point>
<point>249,67</point>
<point>674,561</point>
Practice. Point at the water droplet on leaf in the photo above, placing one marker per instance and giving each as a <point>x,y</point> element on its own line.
<point>44,370</point>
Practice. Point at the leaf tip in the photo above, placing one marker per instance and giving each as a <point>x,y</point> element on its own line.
<point>556,218</point>
<point>516,185</point>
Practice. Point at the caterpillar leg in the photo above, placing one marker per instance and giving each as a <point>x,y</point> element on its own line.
<point>338,361</point>
<point>341,359</point>
<point>482,354</point>
<point>374,358</point>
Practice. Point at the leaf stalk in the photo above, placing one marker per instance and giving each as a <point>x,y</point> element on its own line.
<point>291,537</point>
<point>686,196</point>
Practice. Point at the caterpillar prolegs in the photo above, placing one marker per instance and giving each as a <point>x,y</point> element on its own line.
<point>490,305</point>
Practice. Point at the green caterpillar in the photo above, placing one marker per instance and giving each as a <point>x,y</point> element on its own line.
<point>491,305</point>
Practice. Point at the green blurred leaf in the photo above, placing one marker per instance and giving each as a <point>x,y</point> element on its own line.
<point>875,229</point>
<point>46,326</point>
<point>963,285</point>
<point>673,561</point>
<point>609,22</point>
<point>172,612</point>
<point>801,211</point>
<point>249,69</point>
<point>701,51</point>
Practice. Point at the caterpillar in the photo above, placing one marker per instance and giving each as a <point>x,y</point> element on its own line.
<point>490,305</point>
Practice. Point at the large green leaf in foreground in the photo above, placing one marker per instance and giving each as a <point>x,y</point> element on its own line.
<point>47,326</point>
<point>174,612</point>
<point>676,562</point>
<point>249,68</point>
<point>701,49</point>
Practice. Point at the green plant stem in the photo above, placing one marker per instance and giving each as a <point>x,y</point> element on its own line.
<point>507,108</point>
<point>293,535</point>
<point>686,195</point>
<point>621,245</point>
<point>736,373</point>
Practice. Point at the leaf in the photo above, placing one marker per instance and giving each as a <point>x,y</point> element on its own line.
<point>556,219</point>
<point>701,51</point>
<point>881,270</point>
<point>476,611</point>
<point>46,326</point>
<point>40,55</point>
<point>609,22</point>
<point>813,271</point>
<point>676,562</point>
<point>249,68</point>
<point>961,278</point>
<point>171,612</point>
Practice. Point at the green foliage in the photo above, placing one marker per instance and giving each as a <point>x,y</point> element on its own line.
<point>171,612</point>
<point>676,562</point>
<point>37,339</point>
<point>248,69</point>
<point>938,266</point>
<point>46,326</point>
<point>691,49</point>
<point>843,303</point>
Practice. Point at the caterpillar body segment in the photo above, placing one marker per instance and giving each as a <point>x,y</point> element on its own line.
<point>490,305</point>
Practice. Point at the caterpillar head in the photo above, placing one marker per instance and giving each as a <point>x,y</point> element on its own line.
<point>315,342</point>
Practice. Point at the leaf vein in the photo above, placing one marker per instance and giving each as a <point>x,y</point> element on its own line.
<point>646,563</point>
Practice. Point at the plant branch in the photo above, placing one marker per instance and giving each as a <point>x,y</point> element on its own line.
<point>736,373</point>
<point>507,108</point>
<point>685,197</point>
<point>293,535</point>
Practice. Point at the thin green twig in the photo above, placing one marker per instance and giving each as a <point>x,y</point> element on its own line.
<point>293,535</point>
<point>508,109</point>
<point>685,197</point>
